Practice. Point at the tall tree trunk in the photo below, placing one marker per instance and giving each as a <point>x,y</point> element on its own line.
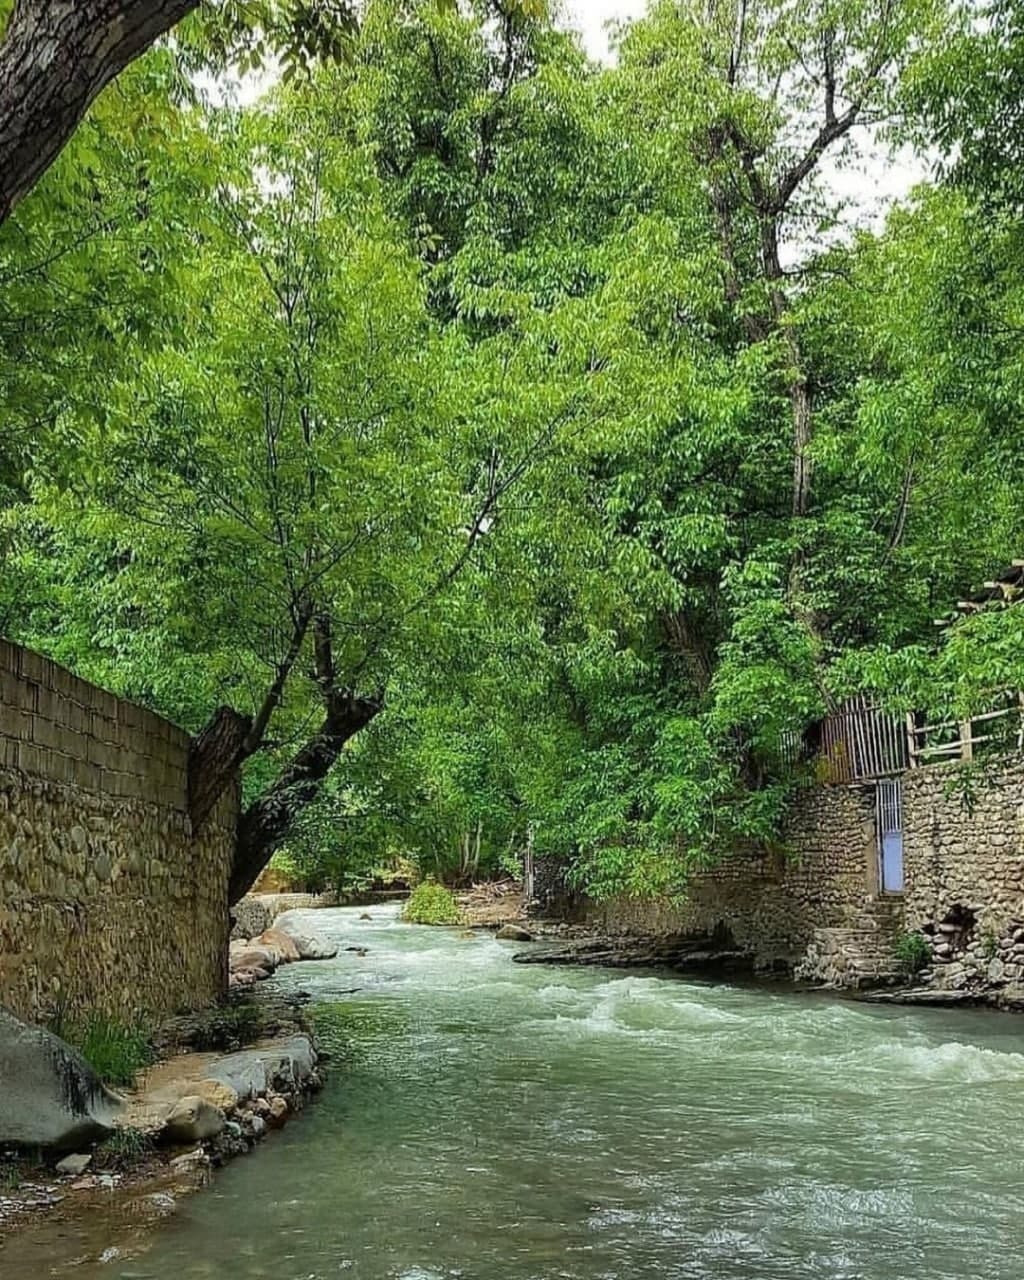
<point>231,738</point>
<point>264,826</point>
<point>802,410</point>
<point>55,58</point>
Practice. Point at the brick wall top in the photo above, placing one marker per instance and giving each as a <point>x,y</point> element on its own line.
<point>56,726</point>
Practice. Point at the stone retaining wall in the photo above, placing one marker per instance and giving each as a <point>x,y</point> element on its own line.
<point>964,843</point>
<point>965,870</point>
<point>108,903</point>
<point>770,905</point>
<point>820,905</point>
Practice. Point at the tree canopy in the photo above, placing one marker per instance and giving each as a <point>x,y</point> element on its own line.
<point>484,447</point>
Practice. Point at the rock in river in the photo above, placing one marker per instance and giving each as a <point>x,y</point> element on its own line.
<point>514,933</point>
<point>309,945</point>
<point>194,1120</point>
<point>49,1095</point>
<point>280,945</point>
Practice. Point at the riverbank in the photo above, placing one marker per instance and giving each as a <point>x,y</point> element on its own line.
<point>218,1083</point>
<point>223,1081</point>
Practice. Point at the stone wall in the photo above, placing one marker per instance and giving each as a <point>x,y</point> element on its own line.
<point>107,902</point>
<point>771,905</point>
<point>964,864</point>
<point>964,843</point>
<point>819,909</point>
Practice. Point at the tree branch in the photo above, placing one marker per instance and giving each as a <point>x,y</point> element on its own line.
<point>272,701</point>
<point>55,58</point>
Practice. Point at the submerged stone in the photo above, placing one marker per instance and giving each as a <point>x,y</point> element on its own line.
<point>514,933</point>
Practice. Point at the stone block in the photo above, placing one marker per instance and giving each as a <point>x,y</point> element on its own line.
<point>33,759</point>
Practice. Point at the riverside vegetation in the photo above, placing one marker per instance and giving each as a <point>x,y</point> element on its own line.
<point>499,448</point>
<point>484,450</point>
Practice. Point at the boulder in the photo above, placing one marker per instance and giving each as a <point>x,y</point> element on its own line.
<point>514,933</point>
<point>250,917</point>
<point>74,1166</point>
<point>217,1094</point>
<point>49,1095</point>
<point>244,1072</point>
<point>313,947</point>
<point>194,1120</point>
<point>308,945</point>
<point>279,944</point>
<point>252,1072</point>
<point>252,957</point>
<point>240,951</point>
<point>278,1115</point>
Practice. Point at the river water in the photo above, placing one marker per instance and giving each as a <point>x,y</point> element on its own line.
<point>498,1122</point>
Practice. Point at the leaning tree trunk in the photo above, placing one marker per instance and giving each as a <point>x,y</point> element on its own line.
<point>214,761</point>
<point>55,58</point>
<point>264,826</point>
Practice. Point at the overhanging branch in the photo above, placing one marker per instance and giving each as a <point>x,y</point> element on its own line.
<point>55,58</point>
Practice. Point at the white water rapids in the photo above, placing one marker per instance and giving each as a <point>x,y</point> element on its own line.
<point>496,1122</point>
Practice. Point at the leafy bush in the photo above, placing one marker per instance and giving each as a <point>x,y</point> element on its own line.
<point>431,903</point>
<point>115,1051</point>
<point>913,952</point>
<point>124,1148</point>
<point>227,1028</point>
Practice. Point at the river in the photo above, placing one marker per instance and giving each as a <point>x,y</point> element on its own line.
<point>498,1122</point>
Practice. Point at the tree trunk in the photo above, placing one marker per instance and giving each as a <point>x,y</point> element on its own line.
<point>213,762</point>
<point>803,430</point>
<point>55,58</point>
<point>264,826</point>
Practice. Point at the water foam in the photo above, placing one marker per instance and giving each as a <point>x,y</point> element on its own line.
<point>952,1062</point>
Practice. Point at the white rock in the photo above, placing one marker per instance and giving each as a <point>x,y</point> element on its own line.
<point>308,945</point>
<point>194,1119</point>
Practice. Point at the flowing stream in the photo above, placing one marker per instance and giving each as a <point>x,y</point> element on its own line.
<point>497,1122</point>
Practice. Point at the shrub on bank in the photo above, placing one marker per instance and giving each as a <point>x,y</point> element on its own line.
<point>912,952</point>
<point>431,903</point>
<point>115,1051</point>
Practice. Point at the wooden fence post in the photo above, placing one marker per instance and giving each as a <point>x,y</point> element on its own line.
<point>911,740</point>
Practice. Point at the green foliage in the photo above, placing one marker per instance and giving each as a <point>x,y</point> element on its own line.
<point>431,903</point>
<point>124,1148</point>
<point>116,1051</point>
<point>474,367</point>
<point>912,952</point>
<point>989,944</point>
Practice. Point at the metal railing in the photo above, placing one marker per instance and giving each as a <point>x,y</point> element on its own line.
<point>860,741</point>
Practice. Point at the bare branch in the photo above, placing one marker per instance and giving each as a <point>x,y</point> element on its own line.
<point>303,616</point>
